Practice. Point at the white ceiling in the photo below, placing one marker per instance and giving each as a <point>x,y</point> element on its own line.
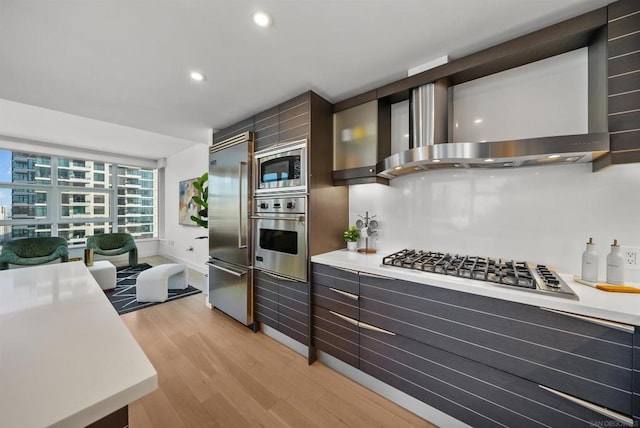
<point>127,62</point>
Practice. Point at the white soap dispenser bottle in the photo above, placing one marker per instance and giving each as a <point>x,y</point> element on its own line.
<point>615,265</point>
<point>590,262</point>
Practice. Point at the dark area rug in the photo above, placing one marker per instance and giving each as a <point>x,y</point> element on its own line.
<point>123,297</point>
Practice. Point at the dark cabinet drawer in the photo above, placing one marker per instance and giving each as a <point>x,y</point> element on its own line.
<point>571,355</point>
<point>282,304</point>
<point>478,395</point>
<point>336,300</point>
<point>293,310</point>
<point>335,335</point>
<point>265,301</point>
<point>340,279</point>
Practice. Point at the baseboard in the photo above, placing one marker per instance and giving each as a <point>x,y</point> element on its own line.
<point>285,340</point>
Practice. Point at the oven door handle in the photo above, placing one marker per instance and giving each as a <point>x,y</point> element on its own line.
<point>241,219</point>
<point>299,218</point>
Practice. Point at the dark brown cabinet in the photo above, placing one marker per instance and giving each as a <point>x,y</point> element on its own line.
<point>474,393</point>
<point>361,139</point>
<point>335,312</point>
<point>289,121</point>
<point>282,304</point>
<point>572,355</point>
<point>623,72</point>
<point>482,360</point>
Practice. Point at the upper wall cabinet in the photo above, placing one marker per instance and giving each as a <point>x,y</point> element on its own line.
<point>361,138</point>
<point>355,136</point>
<point>541,99</point>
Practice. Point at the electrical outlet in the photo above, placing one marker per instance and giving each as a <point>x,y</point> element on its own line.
<point>631,260</point>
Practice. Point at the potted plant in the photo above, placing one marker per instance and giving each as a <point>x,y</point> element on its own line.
<point>202,200</point>
<point>351,236</point>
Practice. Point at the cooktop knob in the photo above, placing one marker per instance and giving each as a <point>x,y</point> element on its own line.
<point>264,205</point>
<point>291,205</point>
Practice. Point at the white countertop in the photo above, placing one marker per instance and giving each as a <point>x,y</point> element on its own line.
<point>619,307</point>
<point>66,358</point>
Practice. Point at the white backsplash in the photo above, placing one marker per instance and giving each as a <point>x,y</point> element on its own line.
<point>538,214</point>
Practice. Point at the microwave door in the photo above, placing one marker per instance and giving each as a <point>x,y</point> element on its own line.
<point>229,227</point>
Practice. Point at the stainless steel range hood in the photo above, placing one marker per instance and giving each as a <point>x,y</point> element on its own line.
<point>563,149</point>
<point>429,152</point>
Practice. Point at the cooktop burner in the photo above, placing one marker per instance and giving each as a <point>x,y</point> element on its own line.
<point>506,273</point>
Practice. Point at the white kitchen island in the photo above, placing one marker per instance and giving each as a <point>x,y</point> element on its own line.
<point>66,358</point>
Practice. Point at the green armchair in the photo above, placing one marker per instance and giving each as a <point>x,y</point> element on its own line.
<point>112,244</point>
<point>33,251</point>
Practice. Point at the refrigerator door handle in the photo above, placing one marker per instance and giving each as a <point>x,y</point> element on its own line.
<point>241,219</point>
<point>232,272</point>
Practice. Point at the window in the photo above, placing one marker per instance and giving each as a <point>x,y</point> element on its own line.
<point>81,199</point>
<point>21,203</point>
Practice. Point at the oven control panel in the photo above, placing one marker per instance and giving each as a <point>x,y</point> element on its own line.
<point>281,205</point>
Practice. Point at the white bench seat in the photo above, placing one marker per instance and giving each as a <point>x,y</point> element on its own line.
<point>153,284</point>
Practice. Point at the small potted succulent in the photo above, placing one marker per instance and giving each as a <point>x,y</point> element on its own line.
<point>351,236</point>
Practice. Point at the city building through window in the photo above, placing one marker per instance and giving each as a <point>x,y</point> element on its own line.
<point>74,198</point>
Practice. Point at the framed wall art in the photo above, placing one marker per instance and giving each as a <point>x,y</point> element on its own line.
<point>187,207</point>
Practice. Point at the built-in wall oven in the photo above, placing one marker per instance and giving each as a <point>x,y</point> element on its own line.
<point>281,167</point>
<point>280,235</point>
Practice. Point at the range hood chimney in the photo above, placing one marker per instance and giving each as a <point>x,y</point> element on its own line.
<point>429,149</point>
<point>428,115</point>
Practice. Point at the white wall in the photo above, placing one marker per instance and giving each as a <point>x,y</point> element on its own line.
<point>187,164</point>
<point>538,214</point>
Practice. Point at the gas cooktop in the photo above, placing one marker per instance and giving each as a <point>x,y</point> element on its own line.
<point>506,273</point>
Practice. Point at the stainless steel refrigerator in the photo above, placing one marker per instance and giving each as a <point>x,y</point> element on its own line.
<point>230,287</point>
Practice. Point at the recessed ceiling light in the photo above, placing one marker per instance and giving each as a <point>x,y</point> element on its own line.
<point>436,160</point>
<point>197,76</point>
<point>488,160</point>
<point>261,19</point>
<point>477,121</point>
<point>398,168</point>
<point>553,156</point>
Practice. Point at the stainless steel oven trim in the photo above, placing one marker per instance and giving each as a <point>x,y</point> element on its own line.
<point>301,224</point>
<point>300,218</point>
<point>280,148</point>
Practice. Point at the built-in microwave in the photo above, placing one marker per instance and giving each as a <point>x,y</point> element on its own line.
<point>282,167</point>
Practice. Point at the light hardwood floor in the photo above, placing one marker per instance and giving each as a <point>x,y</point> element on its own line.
<point>214,372</point>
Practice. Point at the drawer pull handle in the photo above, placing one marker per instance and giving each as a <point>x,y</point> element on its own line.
<point>617,325</point>
<point>362,324</point>
<point>625,420</point>
<point>345,294</point>
<point>374,328</point>
<point>347,319</point>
